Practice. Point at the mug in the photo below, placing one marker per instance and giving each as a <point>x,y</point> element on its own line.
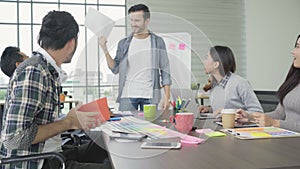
<point>150,111</point>
<point>183,122</point>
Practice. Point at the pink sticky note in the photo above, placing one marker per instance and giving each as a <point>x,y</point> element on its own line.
<point>181,46</point>
<point>141,114</point>
<point>191,140</point>
<point>172,46</point>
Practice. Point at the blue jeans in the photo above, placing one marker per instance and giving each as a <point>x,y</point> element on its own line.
<point>133,104</point>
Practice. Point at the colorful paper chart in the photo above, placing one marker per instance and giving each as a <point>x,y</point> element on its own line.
<point>153,131</point>
<point>261,132</point>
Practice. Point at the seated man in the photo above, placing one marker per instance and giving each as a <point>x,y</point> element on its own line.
<point>11,58</point>
<point>30,117</point>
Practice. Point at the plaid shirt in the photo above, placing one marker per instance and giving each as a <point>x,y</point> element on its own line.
<point>32,100</point>
<point>224,81</point>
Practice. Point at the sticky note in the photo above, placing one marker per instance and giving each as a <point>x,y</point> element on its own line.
<point>172,46</point>
<point>215,134</point>
<point>191,140</point>
<point>259,134</point>
<point>181,46</point>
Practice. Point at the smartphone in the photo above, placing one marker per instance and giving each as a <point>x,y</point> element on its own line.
<point>129,136</point>
<point>158,145</point>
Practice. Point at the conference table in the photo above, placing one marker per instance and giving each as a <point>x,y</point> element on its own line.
<point>214,153</point>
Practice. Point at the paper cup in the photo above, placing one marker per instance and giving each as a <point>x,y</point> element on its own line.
<point>228,118</point>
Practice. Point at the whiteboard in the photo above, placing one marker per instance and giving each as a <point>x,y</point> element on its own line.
<point>179,53</point>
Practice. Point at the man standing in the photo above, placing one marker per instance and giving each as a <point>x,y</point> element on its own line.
<point>30,118</point>
<point>142,64</point>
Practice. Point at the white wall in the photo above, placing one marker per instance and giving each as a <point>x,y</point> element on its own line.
<point>272,27</point>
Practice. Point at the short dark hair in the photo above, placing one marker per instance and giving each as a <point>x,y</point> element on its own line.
<point>140,7</point>
<point>58,27</point>
<point>225,56</point>
<point>9,58</point>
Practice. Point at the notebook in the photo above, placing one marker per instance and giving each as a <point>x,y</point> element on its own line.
<point>100,106</point>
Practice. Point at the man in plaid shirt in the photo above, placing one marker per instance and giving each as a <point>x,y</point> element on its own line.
<point>30,119</point>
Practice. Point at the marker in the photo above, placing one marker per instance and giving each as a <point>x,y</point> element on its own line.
<point>115,119</point>
<point>173,105</point>
<point>183,103</point>
<point>187,103</point>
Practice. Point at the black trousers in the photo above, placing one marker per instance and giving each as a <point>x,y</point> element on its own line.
<point>86,156</point>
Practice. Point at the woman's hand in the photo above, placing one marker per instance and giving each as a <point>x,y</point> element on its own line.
<point>264,120</point>
<point>243,116</point>
<point>203,109</point>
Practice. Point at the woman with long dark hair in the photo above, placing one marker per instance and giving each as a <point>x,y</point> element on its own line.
<point>287,113</point>
<point>228,90</point>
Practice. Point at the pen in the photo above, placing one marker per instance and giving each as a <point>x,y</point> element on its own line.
<point>233,132</point>
<point>115,119</point>
<point>121,132</point>
<point>187,103</point>
<point>173,105</point>
<point>183,103</point>
<point>250,129</point>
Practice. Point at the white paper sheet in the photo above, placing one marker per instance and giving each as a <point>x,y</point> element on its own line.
<point>98,23</point>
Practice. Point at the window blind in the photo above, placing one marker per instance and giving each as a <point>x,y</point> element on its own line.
<point>210,22</point>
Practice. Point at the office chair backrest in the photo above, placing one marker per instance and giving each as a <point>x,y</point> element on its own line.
<point>268,99</point>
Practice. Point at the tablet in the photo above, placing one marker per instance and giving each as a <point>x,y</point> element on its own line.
<point>159,145</point>
<point>204,116</point>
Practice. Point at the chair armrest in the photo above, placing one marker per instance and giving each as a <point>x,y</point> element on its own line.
<point>50,155</point>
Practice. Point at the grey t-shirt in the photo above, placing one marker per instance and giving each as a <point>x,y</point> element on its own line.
<point>289,112</point>
<point>236,94</point>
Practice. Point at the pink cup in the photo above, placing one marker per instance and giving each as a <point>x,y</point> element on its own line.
<point>183,121</point>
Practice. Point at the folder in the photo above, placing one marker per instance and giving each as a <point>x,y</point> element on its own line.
<point>100,106</point>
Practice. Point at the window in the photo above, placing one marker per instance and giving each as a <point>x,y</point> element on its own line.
<point>89,77</point>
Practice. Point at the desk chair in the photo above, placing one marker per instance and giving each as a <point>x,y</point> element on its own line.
<point>267,99</point>
<point>50,155</point>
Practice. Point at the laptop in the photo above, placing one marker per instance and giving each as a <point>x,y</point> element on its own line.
<point>186,94</point>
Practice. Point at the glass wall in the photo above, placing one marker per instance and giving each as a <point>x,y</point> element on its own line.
<point>89,77</point>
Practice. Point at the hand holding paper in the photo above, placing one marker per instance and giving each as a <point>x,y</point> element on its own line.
<point>98,23</point>
<point>102,43</point>
<point>82,120</point>
<point>100,106</point>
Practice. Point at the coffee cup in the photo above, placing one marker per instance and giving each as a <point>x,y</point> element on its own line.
<point>183,122</point>
<point>150,111</point>
<point>228,118</point>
